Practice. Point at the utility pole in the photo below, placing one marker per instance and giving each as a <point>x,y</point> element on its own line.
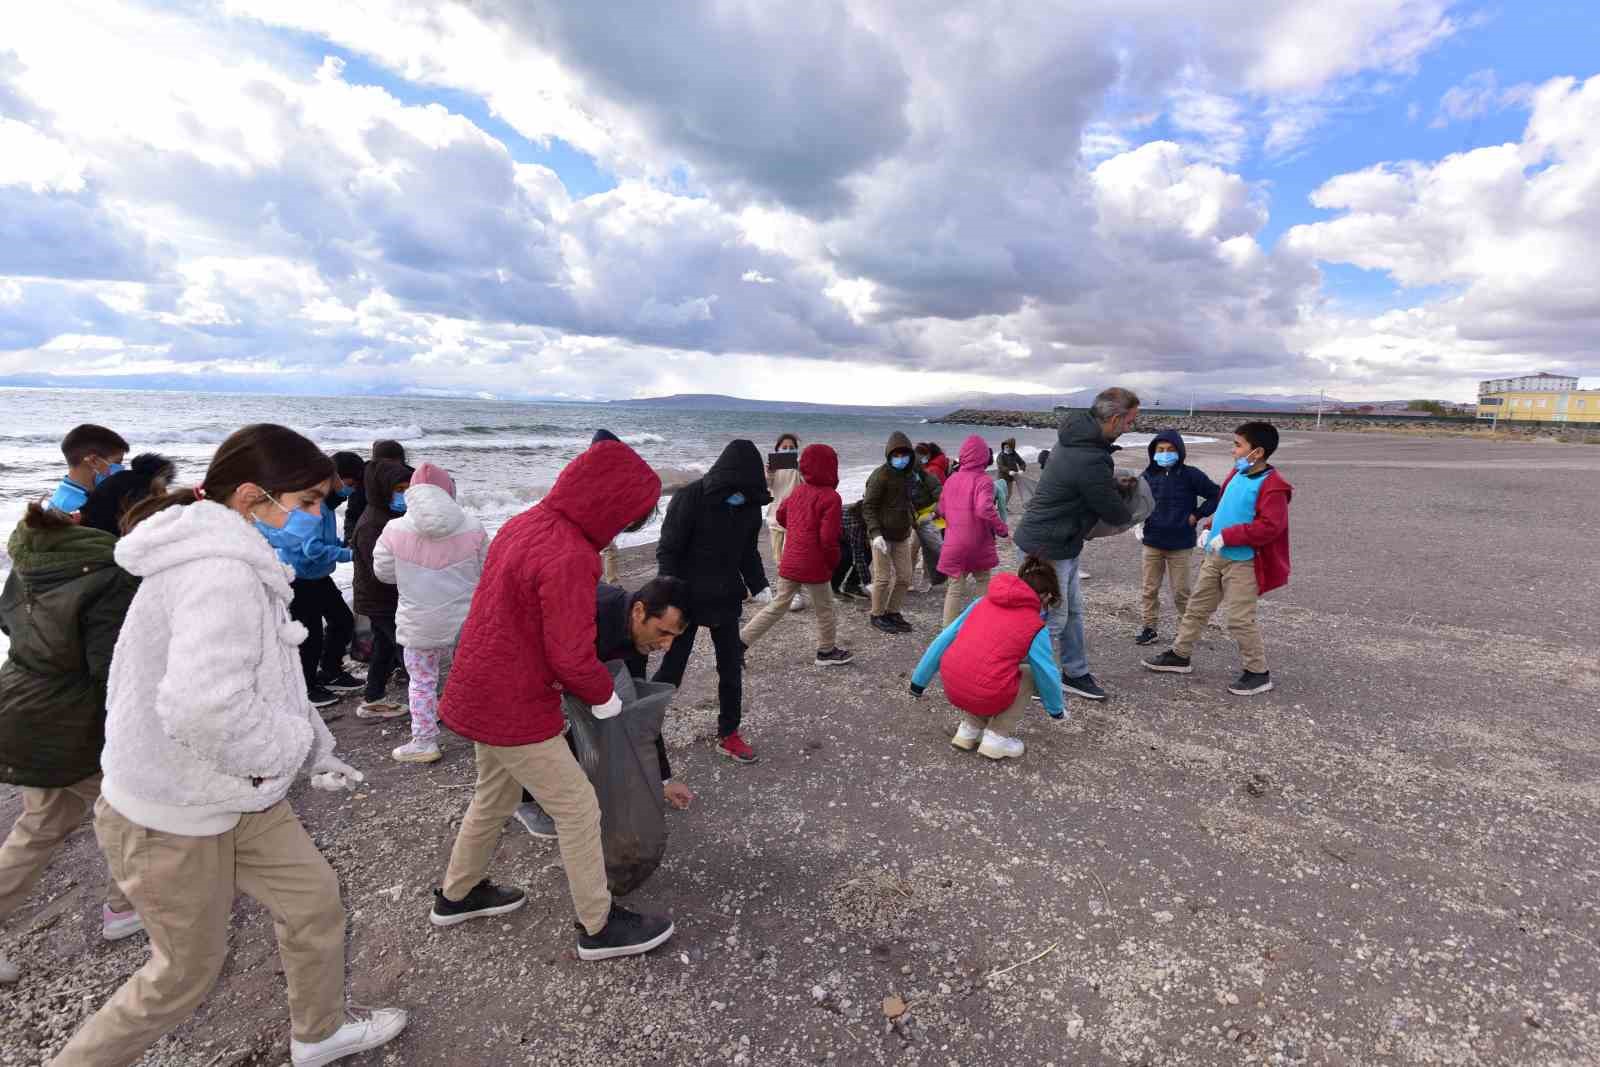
<point>1191,405</point>
<point>1321,397</point>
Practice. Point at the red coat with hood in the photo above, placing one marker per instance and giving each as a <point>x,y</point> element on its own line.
<point>979,668</point>
<point>1268,534</point>
<point>812,513</point>
<point>530,634</point>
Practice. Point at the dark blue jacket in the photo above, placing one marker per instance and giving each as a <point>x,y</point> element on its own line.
<point>1180,491</point>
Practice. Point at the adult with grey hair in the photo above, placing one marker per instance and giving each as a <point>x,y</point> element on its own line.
<point>1077,490</point>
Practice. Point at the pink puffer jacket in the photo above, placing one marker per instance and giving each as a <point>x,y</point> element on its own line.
<point>967,505</point>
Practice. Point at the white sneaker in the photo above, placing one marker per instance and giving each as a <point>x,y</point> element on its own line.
<point>364,1028</point>
<point>8,971</point>
<point>116,925</point>
<point>414,751</point>
<point>967,737</point>
<point>799,603</point>
<point>996,747</point>
<point>381,709</point>
<point>1084,575</point>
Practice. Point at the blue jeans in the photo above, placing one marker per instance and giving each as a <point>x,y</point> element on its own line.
<point>1066,622</point>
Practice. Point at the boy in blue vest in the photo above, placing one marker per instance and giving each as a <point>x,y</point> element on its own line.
<point>93,454</point>
<point>1183,496</point>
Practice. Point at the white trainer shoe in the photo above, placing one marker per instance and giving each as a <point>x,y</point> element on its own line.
<point>116,925</point>
<point>996,747</point>
<point>967,737</point>
<point>363,1029</point>
<point>415,751</point>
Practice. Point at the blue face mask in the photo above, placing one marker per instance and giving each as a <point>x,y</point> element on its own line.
<point>397,503</point>
<point>1243,464</point>
<point>297,528</point>
<point>342,493</point>
<point>735,500</point>
<point>900,463</point>
<point>115,468</point>
<point>1166,459</point>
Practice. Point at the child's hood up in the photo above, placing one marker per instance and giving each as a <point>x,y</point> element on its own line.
<point>974,453</point>
<point>1009,591</point>
<point>819,466</point>
<point>1173,438</point>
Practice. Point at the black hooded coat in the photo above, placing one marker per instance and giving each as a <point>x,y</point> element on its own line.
<point>711,544</point>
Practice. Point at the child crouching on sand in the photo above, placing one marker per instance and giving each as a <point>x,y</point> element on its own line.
<point>434,553</point>
<point>996,657</point>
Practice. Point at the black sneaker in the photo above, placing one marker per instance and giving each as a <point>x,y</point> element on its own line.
<point>834,657</point>
<point>1083,686</point>
<point>1250,683</point>
<point>1146,636</point>
<point>884,624</point>
<point>320,697</point>
<point>1169,662</point>
<point>852,591</point>
<point>484,900</point>
<point>900,622</point>
<point>625,933</point>
<point>343,682</point>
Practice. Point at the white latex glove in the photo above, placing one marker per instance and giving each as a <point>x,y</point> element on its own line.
<point>1213,543</point>
<point>879,544</point>
<point>609,709</point>
<point>332,775</point>
<point>764,597</point>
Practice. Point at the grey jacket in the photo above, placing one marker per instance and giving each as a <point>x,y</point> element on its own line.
<point>1075,491</point>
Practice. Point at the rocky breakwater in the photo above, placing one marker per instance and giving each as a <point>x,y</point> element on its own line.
<point>1215,423</point>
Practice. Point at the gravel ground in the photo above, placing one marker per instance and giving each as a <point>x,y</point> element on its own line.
<point>1390,859</point>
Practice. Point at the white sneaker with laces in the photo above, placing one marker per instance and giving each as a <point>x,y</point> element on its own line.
<point>415,751</point>
<point>996,747</point>
<point>115,925</point>
<point>967,737</point>
<point>363,1029</point>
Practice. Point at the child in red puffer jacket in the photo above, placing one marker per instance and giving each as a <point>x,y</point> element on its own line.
<point>996,657</point>
<point>811,517</point>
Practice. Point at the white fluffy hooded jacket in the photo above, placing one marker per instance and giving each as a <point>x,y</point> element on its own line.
<point>434,553</point>
<point>206,709</point>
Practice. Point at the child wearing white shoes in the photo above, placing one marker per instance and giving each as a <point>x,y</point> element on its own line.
<point>995,658</point>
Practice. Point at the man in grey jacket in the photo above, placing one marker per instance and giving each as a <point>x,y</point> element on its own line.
<point>1075,491</point>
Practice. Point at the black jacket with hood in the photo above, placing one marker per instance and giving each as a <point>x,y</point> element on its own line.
<point>62,608</point>
<point>712,545</point>
<point>1181,492</point>
<point>889,505</point>
<point>372,596</point>
<point>1077,489</point>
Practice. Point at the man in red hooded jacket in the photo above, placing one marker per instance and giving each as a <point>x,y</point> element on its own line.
<point>529,637</point>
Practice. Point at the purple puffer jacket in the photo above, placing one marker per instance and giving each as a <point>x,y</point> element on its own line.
<point>967,505</point>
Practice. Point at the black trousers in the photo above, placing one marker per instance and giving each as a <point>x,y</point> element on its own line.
<point>730,669</point>
<point>385,656</point>
<point>320,608</point>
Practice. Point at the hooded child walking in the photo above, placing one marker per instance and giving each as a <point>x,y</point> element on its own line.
<point>387,481</point>
<point>1183,496</point>
<point>889,509</point>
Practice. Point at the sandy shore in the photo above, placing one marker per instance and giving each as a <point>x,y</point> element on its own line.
<point>1392,858</point>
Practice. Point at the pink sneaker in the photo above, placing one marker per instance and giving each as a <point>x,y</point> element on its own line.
<point>116,925</point>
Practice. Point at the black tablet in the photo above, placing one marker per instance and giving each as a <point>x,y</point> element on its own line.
<point>783,461</point>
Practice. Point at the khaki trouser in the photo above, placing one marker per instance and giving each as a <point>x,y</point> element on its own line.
<point>1005,723</point>
<point>776,535</point>
<point>184,889</point>
<point>548,771</point>
<point>1234,582</point>
<point>1174,565</point>
<point>608,564</point>
<point>48,816</point>
<point>955,593</point>
<point>891,575</point>
<point>821,598</point>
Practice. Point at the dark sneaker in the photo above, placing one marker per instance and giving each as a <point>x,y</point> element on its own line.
<point>1170,662</point>
<point>484,900</point>
<point>320,697</point>
<point>852,591</point>
<point>343,682</point>
<point>734,747</point>
<point>834,657</point>
<point>1146,636</point>
<point>884,624</point>
<point>1084,686</point>
<point>625,933</point>
<point>1251,683</point>
<point>536,820</point>
<point>900,622</point>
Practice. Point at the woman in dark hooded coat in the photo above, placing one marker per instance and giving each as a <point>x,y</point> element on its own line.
<point>709,539</point>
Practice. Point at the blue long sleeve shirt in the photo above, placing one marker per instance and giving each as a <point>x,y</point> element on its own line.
<point>1041,660</point>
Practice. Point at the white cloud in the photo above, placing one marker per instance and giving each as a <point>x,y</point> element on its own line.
<point>1478,96</point>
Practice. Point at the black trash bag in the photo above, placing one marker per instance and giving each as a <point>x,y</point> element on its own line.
<point>619,756</point>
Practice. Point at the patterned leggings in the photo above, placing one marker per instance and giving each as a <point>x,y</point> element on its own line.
<point>425,665</point>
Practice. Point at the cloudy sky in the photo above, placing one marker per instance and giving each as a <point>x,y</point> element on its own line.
<point>876,200</point>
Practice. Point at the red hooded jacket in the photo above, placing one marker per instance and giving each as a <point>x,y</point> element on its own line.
<point>1268,534</point>
<point>811,514</point>
<point>530,634</point>
<point>980,668</point>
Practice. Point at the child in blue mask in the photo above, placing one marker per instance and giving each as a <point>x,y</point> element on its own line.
<point>375,598</point>
<point>1183,496</point>
<point>93,454</point>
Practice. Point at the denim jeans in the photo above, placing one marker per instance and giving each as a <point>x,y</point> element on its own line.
<point>1066,622</point>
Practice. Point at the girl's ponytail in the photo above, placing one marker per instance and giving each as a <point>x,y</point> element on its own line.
<point>1040,575</point>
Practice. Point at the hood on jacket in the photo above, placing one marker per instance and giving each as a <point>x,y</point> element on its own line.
<point>974,453</point>
<point>1079,428</point>
<point>44,550</point>
<point>1173,438</point>
<point>899,442</point>
<point>603,435</point>
<point>605,489</point>
<point>1009,591</point>
<point>204,530</point>
<point>819,466</point>
<point>433,512</point>
<point>429,474</point>
<point>382,477</point>
<point>738,470</point>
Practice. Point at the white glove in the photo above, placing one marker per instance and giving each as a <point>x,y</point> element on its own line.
<point>609,709</point>
<point>332,775</point>
<point>880,545</point>
<point>764,597</point>
<point>1213,543</point>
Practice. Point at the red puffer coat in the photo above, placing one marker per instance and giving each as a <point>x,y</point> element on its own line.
<point>812,514</point>
<point>980,666</point>
<point>530,634</point>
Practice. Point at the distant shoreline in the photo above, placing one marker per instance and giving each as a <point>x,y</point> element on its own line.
<point>1222,424</point>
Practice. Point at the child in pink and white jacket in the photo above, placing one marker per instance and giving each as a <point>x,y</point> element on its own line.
<point>434,553</point>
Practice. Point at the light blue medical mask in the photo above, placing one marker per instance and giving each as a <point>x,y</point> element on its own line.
<point>900,463</point>
<point>115,468</point>
<point>397,503</point>
<point>342,493</point>
<point>735,500</point>
<point>298,528</point>
<point>1243,464</point>
<point>1166,459</point>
